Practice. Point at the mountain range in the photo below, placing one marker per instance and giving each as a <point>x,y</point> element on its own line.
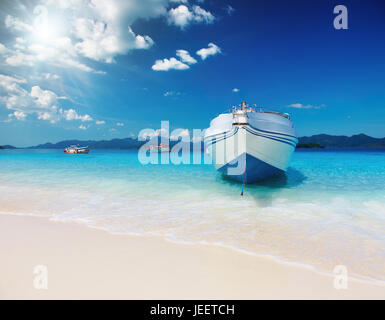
<point>319,140</point>
<point>356,141</point>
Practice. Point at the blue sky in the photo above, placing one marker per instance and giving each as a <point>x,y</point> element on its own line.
<point>92,69</point>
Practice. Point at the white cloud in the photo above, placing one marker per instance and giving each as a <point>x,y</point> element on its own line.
<point>120,124</point>
<point>19,115</point>
<point>201,15</point>
<point>20,59</point>
<point>229,9</point>
<point>102,42</point>
<point>69,33</point>
<point>62,33</point>
<point>56,54</point>
<point>3,49</point>
<point>100,122</point>
<point>186,59</point>
<point>185,56</point>
<point>47,116</point>
<point>308,106</point>
<point>82,127</point>
<point>180,16</point>
<point>10,83</point>
<point>50,76</point>
<point>44,76</point>
<point>183,16</point>
<point>44,98</point>
<point>235,90</point>
<point>16,24</point>
<point>168,64</point>
<point>37,101</point>
<point>143,42</point>
<point>71,114</point>
<point>171,93</point>
<point>212,49</point>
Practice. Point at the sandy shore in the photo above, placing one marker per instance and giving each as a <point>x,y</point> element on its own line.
<point>94,264</point>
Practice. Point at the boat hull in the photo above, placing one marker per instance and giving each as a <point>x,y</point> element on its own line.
<point>248,154</point>
<point>77,152</point>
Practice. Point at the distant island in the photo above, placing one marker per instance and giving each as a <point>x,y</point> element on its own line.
<point>329,141</point>
<point>310,145</point>
<point>316,141</point>
<point>7,147</point>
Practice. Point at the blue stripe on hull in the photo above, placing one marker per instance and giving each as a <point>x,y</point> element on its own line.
<point>256,170</point>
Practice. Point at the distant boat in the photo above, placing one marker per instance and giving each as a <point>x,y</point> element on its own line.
<point>160,148</point>
<point>251,144</point>
<point>76,149</point>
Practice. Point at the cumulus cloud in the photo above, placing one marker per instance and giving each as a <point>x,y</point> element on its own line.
<point>168,64</point>
<point>307,106</point>
<point>201,15</point>
<point>55,54</point>
<point>19,115</point>
<point>235,90</point>
<point>212,50</point>
<point>82,127</point>
<point>43,98</point>
<point>185,56</point>
<point>69,33</point>
<point>36,101</point>
<point>20,59</point>
<point>62,32</point>
<point>16,24</point>
<point>120,124</point>
<point>11,84</point>
<point>71,114</point>
<point>103,41</point>
<point>100,122</point>
<point>182,16</point>
<point>185,59</point>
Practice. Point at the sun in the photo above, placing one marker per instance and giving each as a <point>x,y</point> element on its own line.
<point>45,32</point>
<point>45,27</point>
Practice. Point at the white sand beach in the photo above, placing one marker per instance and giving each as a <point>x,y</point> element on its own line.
<point>86,263</point>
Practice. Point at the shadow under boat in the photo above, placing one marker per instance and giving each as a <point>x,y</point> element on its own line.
<point>263,191</point>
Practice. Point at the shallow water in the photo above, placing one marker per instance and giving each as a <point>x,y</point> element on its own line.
<point>329,208</point>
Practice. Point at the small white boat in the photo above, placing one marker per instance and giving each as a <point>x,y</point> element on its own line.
<point>160,148</point>
<point>76,149</point>
<point>251,144</point>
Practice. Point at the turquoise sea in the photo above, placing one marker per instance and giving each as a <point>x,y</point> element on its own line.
<point>328,210</point>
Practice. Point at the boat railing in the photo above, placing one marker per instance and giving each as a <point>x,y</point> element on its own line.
<point>258,109</point>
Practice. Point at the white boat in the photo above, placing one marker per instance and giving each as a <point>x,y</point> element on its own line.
<point>160,148</point>
<point>251,144</point>
<point>76,149</point>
